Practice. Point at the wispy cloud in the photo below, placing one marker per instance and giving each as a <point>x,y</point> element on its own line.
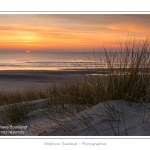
<point>69,31</point>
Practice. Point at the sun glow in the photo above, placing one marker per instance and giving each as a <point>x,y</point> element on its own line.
<point>25,38</point>
<point>69,32</point>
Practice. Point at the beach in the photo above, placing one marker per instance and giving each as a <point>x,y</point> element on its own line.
<point>111,118</point>
<point>14,80</point>
<point>115,103</point>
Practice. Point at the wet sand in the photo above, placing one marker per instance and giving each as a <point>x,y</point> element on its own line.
<point>20,80</point>
<point>14,80</point>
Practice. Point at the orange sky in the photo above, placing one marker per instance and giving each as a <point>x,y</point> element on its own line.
<point>69,32</point>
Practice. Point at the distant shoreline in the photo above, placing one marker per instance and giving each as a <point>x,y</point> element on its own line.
<point>14,80</point>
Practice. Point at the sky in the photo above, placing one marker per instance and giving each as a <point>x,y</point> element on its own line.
<point>72,32</point>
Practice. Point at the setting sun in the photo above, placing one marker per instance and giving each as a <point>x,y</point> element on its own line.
<point>61,73</point>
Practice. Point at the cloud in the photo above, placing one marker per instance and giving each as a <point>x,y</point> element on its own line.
<point>70,29</point>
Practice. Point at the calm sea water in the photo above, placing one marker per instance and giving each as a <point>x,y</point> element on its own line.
<point>39,60</point>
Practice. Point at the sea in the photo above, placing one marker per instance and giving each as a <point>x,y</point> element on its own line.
<point>47,60</point>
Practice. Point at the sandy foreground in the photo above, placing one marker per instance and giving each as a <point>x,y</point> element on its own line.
<point>104,119</point>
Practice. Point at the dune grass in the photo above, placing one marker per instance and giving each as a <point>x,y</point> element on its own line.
<point>129,81</point>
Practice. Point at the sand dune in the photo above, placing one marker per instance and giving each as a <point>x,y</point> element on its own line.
<point>105,119</point>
